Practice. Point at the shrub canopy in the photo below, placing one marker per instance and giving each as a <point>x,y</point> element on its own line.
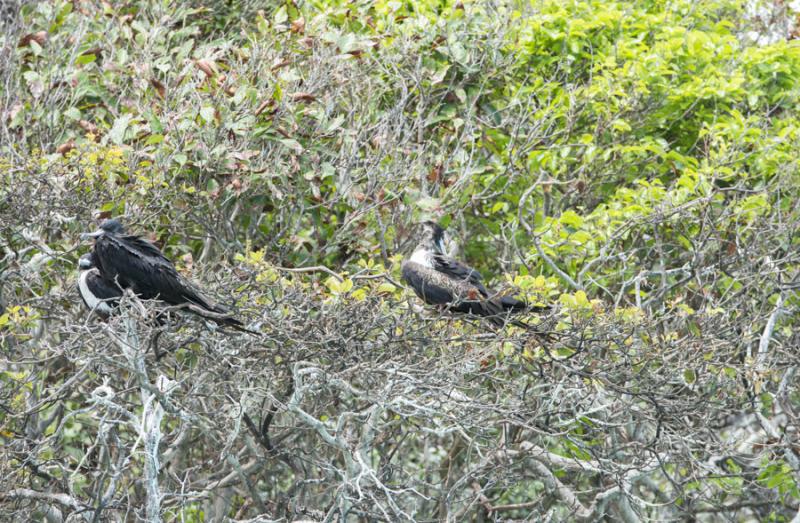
<point>633,164</point>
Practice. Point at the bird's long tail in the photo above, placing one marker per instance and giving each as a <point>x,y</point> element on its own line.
<point>236,325</point>
<point>219,316</point>
<point>510,303</point>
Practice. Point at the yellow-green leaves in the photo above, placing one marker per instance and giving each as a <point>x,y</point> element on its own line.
<point>17,318</point>
<point>537,290</point>
<point>266,273</point>
<point>752,207</point>
<point>579,305</point>
<point>386,288</point>
<point>338,286</point>
<point>571,218</point>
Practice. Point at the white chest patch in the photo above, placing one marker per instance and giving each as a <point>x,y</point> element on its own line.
<point>422,257</point>
<point>91,300</point>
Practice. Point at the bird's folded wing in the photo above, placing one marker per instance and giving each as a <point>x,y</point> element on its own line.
<point>137,246</point>
<point>427,284</point>
<point>458,271</point>
<point>136,263</point>
<point>101,288</point>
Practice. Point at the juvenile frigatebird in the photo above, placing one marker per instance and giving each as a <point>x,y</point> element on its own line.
<point>441,280</point>
<point>131,262</point>
<point>99,295</point>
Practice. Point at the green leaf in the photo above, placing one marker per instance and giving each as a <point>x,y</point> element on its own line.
<point>207,114</point>
<point>117,132</point>
<point>346,43</point>
<point>620,125</point>
<point>154,139</point>
<point>386,287</point>
<point>292,144</point>
<point>571,218</point>
<point>428,204</point>
<point>458,52</point>
<point>85,59</point>
<point>73,114</point>
<point>438,76</point>
<point>339,287</point>
<point>281,15</point>
<point>30,76</point>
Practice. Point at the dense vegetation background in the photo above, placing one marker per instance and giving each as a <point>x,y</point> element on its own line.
<point>633,163</point>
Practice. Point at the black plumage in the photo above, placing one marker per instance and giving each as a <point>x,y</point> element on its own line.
<point>131,262</point>
<point>440,280</point>
<point>99,295</point>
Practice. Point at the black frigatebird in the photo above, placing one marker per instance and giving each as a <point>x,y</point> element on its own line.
<point>441,280</point>
<point>131,262</point>
<point>99,295</point>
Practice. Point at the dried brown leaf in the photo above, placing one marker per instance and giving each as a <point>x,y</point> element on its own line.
<point>88,126</point>
<point>435,174</point>
<point>39,37</point>
<point>159,87</point>
<point>245,155</point>
<point>303,97</point>
<point>65,147</point>
<point>299,25</point>
<point>207,66</point>
<point>280,64</point>
<point>97,51</point>
<point>263,105</point>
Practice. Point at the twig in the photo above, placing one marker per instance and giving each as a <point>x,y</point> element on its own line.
<point>315,268</point>
<point>384,275</point>
<point>560,490</point>
<point>152,414</point>
<point>543,255</point>
<point>766,335</point>
<point>61,499</point>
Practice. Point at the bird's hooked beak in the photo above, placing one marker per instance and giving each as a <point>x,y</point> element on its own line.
<point>90,235</point>
<point>84,263</point>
